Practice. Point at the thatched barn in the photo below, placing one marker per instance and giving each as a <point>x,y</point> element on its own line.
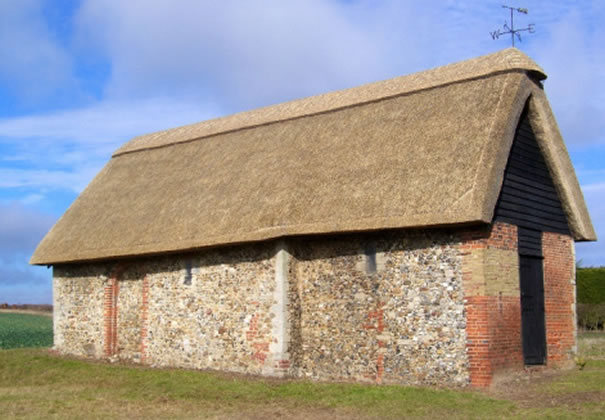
<point>418,230</point>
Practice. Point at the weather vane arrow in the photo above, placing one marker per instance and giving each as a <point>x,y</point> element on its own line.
<point>511,30</point>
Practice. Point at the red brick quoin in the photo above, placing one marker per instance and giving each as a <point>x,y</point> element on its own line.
<point>559,297</point>
<point>493,337</point>
<point>110,310</point>
<point>144,317</point>
<point>494,318</point>
<point>493,321</point>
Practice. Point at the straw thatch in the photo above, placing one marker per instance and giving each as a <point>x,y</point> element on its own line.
<point>421,150</point>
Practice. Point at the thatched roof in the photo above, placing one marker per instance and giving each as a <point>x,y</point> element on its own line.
<point>427,149</point>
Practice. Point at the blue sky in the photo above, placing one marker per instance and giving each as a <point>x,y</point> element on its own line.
<point>79,78</point>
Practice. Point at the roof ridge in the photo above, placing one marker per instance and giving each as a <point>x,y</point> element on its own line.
<point>508,60</point>
<point>121,152</point>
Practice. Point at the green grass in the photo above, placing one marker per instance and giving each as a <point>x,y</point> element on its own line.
<point>591,379</point>
<point>34,383</point>
<point>38,383</point>
<point>25,330</point>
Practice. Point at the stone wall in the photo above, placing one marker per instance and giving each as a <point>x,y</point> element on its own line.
<point>78,312</point>
<point>205,310</point>
<point>397,318</point>
<point>437,307</point>
<point>213,310</point>
<point>365,308</point>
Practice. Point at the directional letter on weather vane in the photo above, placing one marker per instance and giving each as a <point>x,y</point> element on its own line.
<point>511,30</point>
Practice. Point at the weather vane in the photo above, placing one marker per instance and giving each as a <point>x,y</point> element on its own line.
<point>512,31</point>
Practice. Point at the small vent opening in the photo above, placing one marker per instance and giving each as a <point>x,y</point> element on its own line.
<point>188,276</point>
<point>370,254</point>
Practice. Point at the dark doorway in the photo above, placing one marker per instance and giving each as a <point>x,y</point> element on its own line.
<point>532,309</point>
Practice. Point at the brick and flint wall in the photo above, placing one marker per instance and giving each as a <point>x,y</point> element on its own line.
<point>207,310</point>
<point>382,309</point>
<point>434,307</point>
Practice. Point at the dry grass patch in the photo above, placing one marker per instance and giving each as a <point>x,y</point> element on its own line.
<point>591,344</point>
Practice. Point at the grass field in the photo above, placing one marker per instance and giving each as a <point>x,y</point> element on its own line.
<point>25,330</point>
<point>37,384</point>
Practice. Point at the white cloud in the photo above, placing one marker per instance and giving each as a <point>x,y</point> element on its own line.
<point>246,54</point>
<point>32,199</point>
<point>40,178</point>
<point>572,53</point>
<point>77,143</point>
<point>240,53</point>
<point>108,122</point>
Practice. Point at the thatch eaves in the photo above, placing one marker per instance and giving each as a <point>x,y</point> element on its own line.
<point>427,149</point>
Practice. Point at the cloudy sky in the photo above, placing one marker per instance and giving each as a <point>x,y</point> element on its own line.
<point>79,78</point>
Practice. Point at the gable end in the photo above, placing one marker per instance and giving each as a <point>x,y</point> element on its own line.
<point>528,197</point>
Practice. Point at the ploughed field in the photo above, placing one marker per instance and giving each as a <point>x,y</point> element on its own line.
<point>35,383</point>
<point>19,330</point>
